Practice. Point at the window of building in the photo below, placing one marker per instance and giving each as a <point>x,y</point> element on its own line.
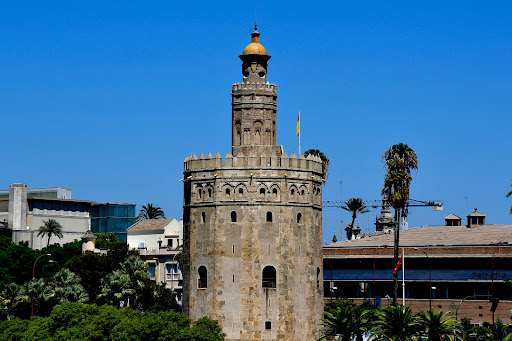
<point>152,271</point>
<point>299,218</point>
<point>302,192</point>
<point>274,193</point>
<point>262,193</point>
<point>233,217</point>
<point>268,325</point>
<point>317,277</point>
<point>292,193</point>
<point>203,217</point>
<point>269,217</point>
<point>209,192</point>
<point>240,192</point>
<point>269,277</point>
<point>228,192</point>
<point>200,193</point>
<point>202,282</point>
<point>169,242</point>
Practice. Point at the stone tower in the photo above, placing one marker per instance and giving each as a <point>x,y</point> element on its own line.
<point>253,224</point>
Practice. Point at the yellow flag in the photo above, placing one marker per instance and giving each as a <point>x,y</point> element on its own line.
<point>297,131</point>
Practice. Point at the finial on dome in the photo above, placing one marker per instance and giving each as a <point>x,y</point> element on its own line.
<point>255,18</point>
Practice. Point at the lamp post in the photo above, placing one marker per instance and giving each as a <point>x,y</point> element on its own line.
<point>34,276</point>
<point>492,275</point>
<point>429,276</point>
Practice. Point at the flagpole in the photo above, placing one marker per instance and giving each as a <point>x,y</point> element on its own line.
<point>403,278</point>
<point>299,133</point>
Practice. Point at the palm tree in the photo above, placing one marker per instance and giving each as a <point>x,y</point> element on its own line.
<point>435,325</point>
<point>395,323</point>
<point>136,269</point>
<point>68,287</point>
<point>50,228</point>
<point>41,291</point>
<point>337,321</point>
<point>12,295</point>
<point>498,332</point>
<point>150,211</point>
<point>323,157</point>
<point>508,195</point>
<point>355,206</point>
<point>116,288</point>
<point>399,160</point>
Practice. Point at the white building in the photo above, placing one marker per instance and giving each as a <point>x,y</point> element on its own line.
<point>160,240</point>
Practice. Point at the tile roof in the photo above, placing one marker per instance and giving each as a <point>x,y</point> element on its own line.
<point>150,225</point>
<point>476,214</point>
<point>435,236</point>
<point>452,216</point>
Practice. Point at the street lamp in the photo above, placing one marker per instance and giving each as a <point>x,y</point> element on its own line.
<point>34,276</point>
<point>429,276</point>
<point>492,276</point>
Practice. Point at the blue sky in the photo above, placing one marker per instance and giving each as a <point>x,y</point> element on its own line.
<point>107,98</point>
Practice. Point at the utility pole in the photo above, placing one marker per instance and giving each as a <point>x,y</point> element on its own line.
<point>341,200</point>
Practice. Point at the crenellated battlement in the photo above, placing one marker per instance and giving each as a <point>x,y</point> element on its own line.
<point>199,163</point>
<point>254,86</point>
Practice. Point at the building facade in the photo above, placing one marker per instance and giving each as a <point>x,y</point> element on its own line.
<point>253,223</point>
<point>452,268</point>
<point>112,217</point>
<point>23,210</point>
<point>160,241</point>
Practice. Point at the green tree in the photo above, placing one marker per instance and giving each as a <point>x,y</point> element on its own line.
<point>106,240</point>
<point>150,211</point>
<point>347,319</point>
<point>116,288</point>
<point>355,206</point>
<point>508,195</point>
<point>395,323</point>
<point>43,293</point>
<point>50,228</point>
<point>399,160</point>
<point>12,295</point>
<point>435,325</point>
<point>323,157</point>
<point>68,287</point>
<point>498,332</point>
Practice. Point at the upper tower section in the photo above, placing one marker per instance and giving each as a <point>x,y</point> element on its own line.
<point>254,104</point>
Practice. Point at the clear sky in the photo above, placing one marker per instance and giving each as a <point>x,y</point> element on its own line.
<point>108,98</point>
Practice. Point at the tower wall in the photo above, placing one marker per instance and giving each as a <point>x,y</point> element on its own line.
<point>236,253</point>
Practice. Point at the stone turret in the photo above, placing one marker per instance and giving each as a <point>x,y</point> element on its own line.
<point>385,222</point>
<point>253,224</point>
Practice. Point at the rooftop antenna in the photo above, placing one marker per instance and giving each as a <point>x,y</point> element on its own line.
<point>255,18</point>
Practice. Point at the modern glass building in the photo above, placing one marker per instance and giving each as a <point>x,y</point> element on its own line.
<point>112,217</point>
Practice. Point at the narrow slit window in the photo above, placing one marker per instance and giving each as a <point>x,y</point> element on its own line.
<point>240,192</point>
<point>203,217</point>
<point>233,217</point>
<point>228,192</point>
<point>262,193</point>
<point>299,218</point>
<point>269,217</point>
<point>274,193</point>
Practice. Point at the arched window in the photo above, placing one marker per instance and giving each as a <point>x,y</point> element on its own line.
<point>262,193</point>
<point>292,193</point>
<point>240,192</point>
<point>199,193</point>
<point>274,193</point>
<point>269,217</point>
<point>233,217</point>
<point>202,282</point>
<point>203,217</point>
<point>302,193</point>
<point>299,218</point>
<point>209,192</point>
<point>269,277</point>
<point>228,192</point>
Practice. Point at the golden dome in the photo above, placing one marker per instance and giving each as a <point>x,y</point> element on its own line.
<point>255,47</point>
